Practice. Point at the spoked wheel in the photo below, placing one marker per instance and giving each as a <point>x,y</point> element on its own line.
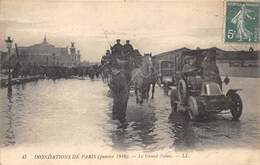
<point>182,91</point>
<point>193,108</point>
<point>237,106</point>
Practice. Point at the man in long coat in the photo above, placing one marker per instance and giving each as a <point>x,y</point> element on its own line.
<point>117,48</point>
<point>128,49</point>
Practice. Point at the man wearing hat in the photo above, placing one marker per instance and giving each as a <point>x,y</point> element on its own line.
<point>116,53</point>
<point>209,67</point>
<point>128,48</point>
<point>106,58</point>
<point>189,66</point>
<point>117,48</point>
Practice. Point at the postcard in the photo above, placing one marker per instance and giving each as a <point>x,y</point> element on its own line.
<point>129,82</point>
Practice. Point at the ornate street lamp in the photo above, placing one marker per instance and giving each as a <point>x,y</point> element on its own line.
<point>9,43</point>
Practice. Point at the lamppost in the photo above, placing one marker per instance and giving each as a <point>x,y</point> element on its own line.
<point>9,43</point>
<point>54,59</point>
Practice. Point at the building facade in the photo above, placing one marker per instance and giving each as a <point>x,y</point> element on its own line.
<point>42,54</point>
<point>233,63</point>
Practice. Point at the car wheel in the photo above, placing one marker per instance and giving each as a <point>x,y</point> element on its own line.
<point>237,106</point>
<point>193,108</point>
<point>182,91</point>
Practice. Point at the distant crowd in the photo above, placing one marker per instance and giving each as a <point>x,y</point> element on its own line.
<point>91,71</point>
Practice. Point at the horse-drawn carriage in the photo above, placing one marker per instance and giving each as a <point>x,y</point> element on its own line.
<point>123,72</point>
<point>199,87</point>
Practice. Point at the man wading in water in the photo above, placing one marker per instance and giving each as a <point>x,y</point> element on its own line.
<point>120,79</point>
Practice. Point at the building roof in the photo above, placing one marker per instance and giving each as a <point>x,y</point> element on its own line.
<point>171,52</point>
<point>44,43</point>
<point>43,48</point>
<point>221,54</point>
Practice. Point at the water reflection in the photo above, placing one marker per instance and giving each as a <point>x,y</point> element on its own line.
<point>140,131</point>
<point>81,112</point>
<point>211,131</point>
<point>183,133</point>
<point>152,126</point>
<point>10,116</point>
<point>9,90</point>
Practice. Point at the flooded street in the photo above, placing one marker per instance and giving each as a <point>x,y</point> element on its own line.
<point>66,113</point>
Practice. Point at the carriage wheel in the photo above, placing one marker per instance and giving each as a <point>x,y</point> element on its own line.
<point>182,90</point>
<point>193,108</point>
<point>237,106</point>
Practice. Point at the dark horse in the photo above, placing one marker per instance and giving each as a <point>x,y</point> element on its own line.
<point>153,80</point>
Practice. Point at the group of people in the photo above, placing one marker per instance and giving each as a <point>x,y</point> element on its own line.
<point>118,52</point>
<point>55,71</point>
<point>206,67</point>
<point>122,51</point>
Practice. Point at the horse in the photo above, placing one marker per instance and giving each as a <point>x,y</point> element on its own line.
<point>105,73</point>
<point>141,79</point>
<point>153,80</point>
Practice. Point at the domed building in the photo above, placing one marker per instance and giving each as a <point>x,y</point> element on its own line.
<point>46,54</point>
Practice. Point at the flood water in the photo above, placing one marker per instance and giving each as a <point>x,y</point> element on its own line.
<point>78,113</point>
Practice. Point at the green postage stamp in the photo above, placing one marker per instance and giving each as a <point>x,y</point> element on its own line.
<point>242,22</point>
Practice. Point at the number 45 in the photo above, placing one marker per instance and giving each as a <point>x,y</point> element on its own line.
<point>230,33</point>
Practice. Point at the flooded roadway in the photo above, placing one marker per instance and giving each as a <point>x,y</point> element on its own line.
<point>78,113</point>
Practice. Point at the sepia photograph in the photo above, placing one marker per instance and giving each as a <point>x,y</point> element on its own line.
<point>129,82</point>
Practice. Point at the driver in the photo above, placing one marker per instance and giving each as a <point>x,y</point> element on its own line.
<point>210,69</point>
<point>189,66</point>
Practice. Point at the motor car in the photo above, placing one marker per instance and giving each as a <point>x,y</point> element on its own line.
<point>199,96</point>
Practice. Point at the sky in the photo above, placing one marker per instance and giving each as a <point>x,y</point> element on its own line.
<point>152,26</point>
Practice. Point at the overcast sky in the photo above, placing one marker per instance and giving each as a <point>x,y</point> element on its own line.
<point>152,26</point>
